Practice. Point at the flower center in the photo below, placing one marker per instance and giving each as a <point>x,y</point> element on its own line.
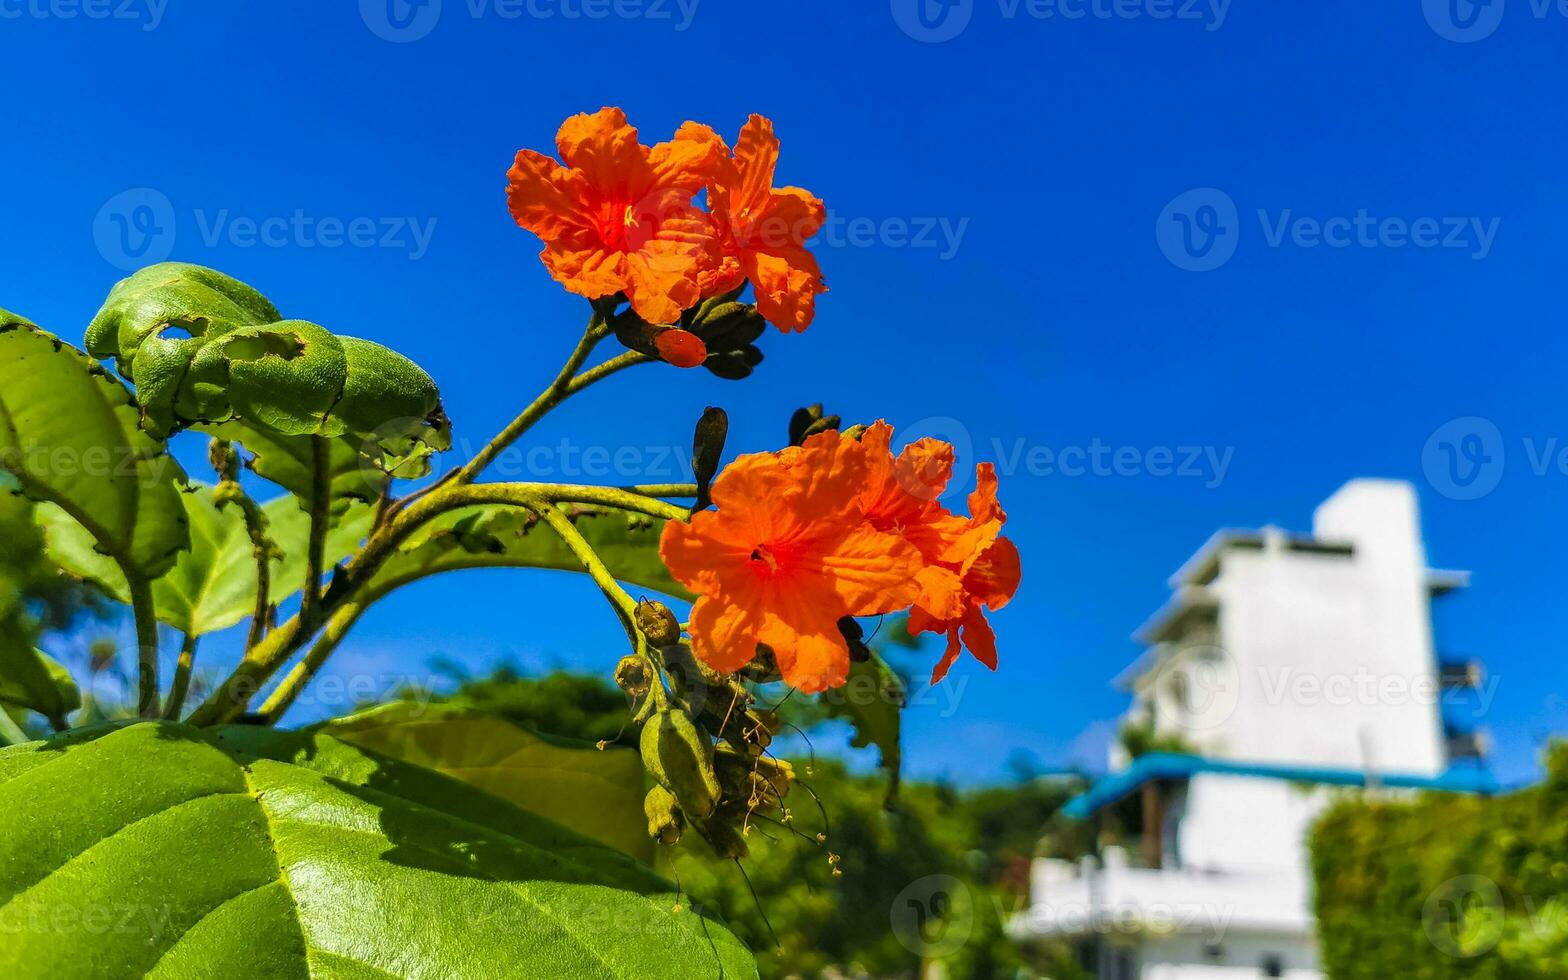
<point>763,561</point>
<point>616,220</point>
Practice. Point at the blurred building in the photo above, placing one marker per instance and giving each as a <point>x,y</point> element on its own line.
<point>1285,668</point>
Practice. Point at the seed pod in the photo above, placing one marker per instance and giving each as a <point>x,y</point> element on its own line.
<point>658,623</point>
<point>680,757</point>
<point>727,842</point>
<point>631,676</point>
<point>665,820</point>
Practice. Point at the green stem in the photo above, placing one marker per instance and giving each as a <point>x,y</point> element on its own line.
<point>145,614</point>
<point>525,494</point>
<point>10,732</point>
<point>624,605</point>
<point>563,387</point>
<point>320,521</point>
<point>338,624</point>
<point>664,489</point>
<point>231,697</point>
<point>182,679</point>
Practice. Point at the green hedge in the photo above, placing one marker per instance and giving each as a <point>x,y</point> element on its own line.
<point>1447,886</point>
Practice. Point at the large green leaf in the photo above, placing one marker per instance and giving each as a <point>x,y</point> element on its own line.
<point>163,851</point>
<point>69,435</point>
<point>872,701</point>
<point>202,347</point>
<point>509,537</point>
<point>213,585</point>
<point>597,793</point>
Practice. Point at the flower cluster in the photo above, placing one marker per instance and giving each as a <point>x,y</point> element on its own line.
<point>621,219</point>
<point>840,527</point>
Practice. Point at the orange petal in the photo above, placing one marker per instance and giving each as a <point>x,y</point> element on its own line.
<point>949,658</point>
<point>606,149</point>
<point>993,578</point>
<point>688,161</point>
<point>873,572</point>
<point>788,282</point>
<point>979,638</point>
<point>593,271</point>
<point>756,157</point>
<point>801,627</point>
<point>983,505</point>
<point>724,635</point>
<point>696,553</point>
<point>546,198</point>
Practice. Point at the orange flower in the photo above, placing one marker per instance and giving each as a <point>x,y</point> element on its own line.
<point>988,569</point>
<point>760,231</point>
<point>784,558</point>
<point>618,217</point>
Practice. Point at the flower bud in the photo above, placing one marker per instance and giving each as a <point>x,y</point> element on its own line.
<point>680,757</point>
<point>665,820</point>
<point>726,841</point>
<point>631,676</point>
<point>681,348</point>
<point>657,623</point>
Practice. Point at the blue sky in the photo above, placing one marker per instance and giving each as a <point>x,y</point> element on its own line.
<point>1376,192</point>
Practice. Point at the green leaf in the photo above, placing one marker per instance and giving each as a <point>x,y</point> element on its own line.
<point>596,793</point>
<point>249,852</point>
<point>69,435</point>
<point>289,462</point>
<point>872,701</point>
<point>32,679</point>
<point>204,348</point>
<point>213,585</point>
<point>509,537</point>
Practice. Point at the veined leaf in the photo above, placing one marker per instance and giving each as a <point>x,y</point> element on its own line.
<point>213,585</point>
<point>289,462</point>
<point>69,435</point>
<point>508,537</point>
<point>596,793</point>
<point>872,701</point>
<point>32,679</point>
<point>249,852</point>
<point>202,347</point>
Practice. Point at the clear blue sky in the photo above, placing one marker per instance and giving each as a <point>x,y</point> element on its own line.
<point>1047,314</point>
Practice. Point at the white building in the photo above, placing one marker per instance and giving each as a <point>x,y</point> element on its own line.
<point>1287,669</point>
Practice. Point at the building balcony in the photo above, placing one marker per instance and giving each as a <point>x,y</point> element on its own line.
<point>1077,899</point>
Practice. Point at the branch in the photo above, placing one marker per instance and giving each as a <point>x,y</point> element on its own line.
<point>145,614</point>
<point>564,386</point>
<point>182,679</point>
<point>338,625</point>
<point>320,521</point>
